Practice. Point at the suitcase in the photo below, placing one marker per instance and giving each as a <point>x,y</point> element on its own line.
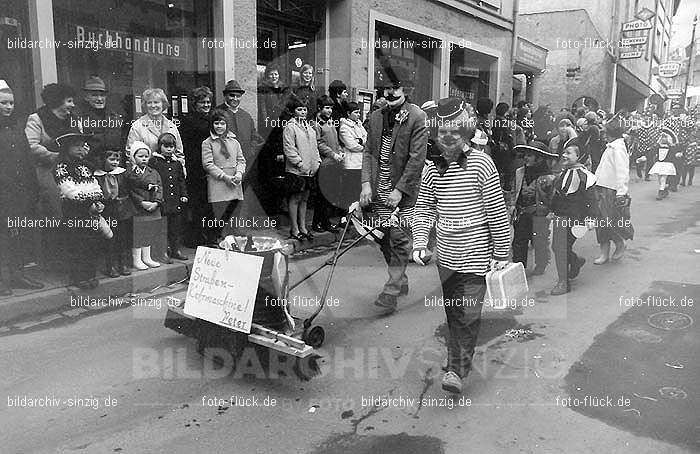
<point>506,287</point>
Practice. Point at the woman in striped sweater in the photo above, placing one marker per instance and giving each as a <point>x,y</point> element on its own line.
<point>461,194</point>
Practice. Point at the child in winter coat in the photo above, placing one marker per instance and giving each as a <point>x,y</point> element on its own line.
<point>172,176</point>
<point>303,161</point>
<point>119,211</point>
<point>573,205</point>
<point>81,204</point>
<point>666,148</point>
<point>225,165</point>
<point>529,205</point>
<point>328,176</point>
<point>146,191</point>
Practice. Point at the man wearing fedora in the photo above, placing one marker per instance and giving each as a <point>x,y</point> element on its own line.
<point>241,124</point>
<point>103,124</point>
<point>391,170</point>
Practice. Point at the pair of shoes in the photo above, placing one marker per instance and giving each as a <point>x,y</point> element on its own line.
<point>124,270</point>
<point>536,271</point>
<point>93,283</point>
<point>404,290</point>
<point>297,236</point>
<point>575,268</point>
<point>165,259</point>
<point>24,282</point>
<point>112,272</point>
<point>561,288</point>
<point>387,302</point>
<point>318,228</point>
<point>619,251</point>
<point>307,235</point>
<point>451,382</point>
<point>660,195</point>
<point>178,255</point>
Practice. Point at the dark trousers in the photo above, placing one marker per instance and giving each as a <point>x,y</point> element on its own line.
<point>174,226</point>
<point>82,246</point>
<point>465,294</point>
<point>118,248</point>
<point>687,174</point>
<point>199,212</point>
<point>396,247</point>
<point>533,228</point>
<point>562,243</point>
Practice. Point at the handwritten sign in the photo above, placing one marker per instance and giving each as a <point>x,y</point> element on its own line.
<point>222,288</point>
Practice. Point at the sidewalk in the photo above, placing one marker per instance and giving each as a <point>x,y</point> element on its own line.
<point>56,296</point>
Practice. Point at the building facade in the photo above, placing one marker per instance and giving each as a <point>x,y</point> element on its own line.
<point>600,49</point>
<point>451,47</point>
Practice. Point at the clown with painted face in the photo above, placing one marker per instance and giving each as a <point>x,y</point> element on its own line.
<point>461,195</point>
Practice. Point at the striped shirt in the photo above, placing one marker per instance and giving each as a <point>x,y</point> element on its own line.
<point>469,213</point>
<point>384,186</point>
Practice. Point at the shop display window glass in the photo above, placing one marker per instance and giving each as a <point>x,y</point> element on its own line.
<point>133,45</point>
<point>470,74</point>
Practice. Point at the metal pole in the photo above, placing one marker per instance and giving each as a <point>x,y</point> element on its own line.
<point>691,60</point>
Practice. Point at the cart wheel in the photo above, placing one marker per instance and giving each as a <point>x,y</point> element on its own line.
<point>314,336</point>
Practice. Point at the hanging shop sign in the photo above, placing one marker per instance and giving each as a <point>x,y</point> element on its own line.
<point>674,93</point>
<point>669,69</point>
<point>629,42</point>
<point>530,54</point>
<point>631,54</point>
<point>635,25</point>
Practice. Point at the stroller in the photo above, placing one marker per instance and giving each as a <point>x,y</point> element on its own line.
<point>274,328</point>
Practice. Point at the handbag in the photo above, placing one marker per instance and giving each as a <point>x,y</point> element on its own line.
<point>506,287</point>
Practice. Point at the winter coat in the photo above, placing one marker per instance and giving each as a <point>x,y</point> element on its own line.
<point>217,165</point>
<point>105,125</point>
<point>115,190</point>
<point>145,186</point>
<point>271,102</point>
<point>41,130</point>
<point>300,148</point>
<point>353,138</point>
<point>18,180</point>
<point>172,176</point>
<point>241,125</point>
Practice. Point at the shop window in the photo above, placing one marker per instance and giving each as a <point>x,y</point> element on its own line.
<point>470,74</point>
<point>134,45</point>
<point>416,53</point>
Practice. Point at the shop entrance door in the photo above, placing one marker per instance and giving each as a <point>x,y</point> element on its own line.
<point>295,48</point>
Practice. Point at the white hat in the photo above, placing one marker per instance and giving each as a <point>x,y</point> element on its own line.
<point>136,146</point>
<point>480,137</point>
<point>4,86</point>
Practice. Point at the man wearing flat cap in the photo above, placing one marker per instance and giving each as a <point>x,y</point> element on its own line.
<point>241,124</point>
<point>105,125</point>
<point>391,170</point>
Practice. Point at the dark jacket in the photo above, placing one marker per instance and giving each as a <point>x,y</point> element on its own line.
<point>194,128</point>
<point>18,182</point>
<point>173,178</point>
<point>145,186</point>
<point>579,204</point>
<point>117,206</point>
<point>105,125</point>
<point>409,143</point>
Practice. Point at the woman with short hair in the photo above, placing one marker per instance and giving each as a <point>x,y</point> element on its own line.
<point>153,123</point>
<point>194,129</point>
